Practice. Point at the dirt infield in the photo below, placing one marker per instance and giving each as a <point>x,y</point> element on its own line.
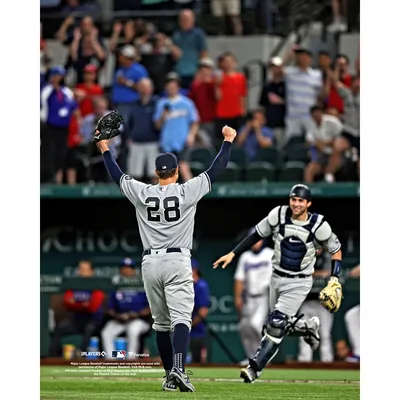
<point>288,365</point>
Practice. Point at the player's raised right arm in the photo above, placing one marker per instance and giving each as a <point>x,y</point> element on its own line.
<point>112,167</point>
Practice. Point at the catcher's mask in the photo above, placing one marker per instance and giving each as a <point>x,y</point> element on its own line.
<point>301,191</point>
<point>166,161</point>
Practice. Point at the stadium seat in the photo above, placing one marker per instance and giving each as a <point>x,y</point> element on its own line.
<point>231,174</point>
<point>269,155</point>
<point>202,155</point>
<point>239,157</point>
<point>197,167</point>
<point>261,171</point>
<point>292,171</point>
<point>293,141</point>
<point>297,152</point>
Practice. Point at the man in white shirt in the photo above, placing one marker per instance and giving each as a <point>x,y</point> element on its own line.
<point>252,277</point>
<point>320,136</point>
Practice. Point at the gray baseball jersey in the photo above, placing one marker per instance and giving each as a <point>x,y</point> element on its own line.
<point>296,242</point>
<point>165,214</point>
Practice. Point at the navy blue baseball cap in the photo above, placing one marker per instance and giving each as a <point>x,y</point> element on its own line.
<point>57,70</point>
<point>166,161</point>
<point>127,262</point>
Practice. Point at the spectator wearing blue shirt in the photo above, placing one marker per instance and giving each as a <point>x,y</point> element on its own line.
<point>190,46</point>
<point>200,312</point>
<point>177,118</point>
<point>124,89</point>
<point>129,311</point>
<point>57,106</point>
<point>143,143</point>
<point>255,134</point>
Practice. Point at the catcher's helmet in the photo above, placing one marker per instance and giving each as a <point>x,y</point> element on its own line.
<point>301,191</point>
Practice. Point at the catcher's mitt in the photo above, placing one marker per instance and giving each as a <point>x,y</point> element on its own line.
<point>331,296</point>
<point>108,126</point>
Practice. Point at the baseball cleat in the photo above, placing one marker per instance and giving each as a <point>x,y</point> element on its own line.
<point>249,375</point>
<point>312,337</point>
<point>169,385</point>
<point>181,379</point>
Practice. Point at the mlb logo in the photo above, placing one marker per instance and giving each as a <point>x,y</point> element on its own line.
<point>120,354</point>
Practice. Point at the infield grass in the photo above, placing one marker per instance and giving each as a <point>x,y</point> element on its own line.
<point>62,383</point>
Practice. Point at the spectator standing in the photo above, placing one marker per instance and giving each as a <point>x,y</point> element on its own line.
<point>324,129</point>
<point>177,118</point>
<point>57,106</point>
<point>339,20</point>
<point>88,90</point>
<point>86,312</point>
<point>303,90</point>
<point>190,46</point>
<point>198,332</point>
<point>228,8</point>
<point>129,311</point>
<point>86,48</point>
<point>350,138</point>
<point>124,90</point>
<point>273,97</point>
<point>333,97</point>
<point>95,168</point>
<point>255,134</point>
<point>156,57</point>
<point>202,92</point>
<point>143,142</point>
<point>231,94</point>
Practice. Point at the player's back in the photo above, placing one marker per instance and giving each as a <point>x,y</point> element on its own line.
<point>166,213</point>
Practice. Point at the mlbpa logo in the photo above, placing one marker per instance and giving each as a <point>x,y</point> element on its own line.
<point>120,354</point>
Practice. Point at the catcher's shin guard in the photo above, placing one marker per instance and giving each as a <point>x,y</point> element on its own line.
<point>273,334</point>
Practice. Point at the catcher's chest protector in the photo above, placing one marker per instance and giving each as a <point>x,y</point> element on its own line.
<point>294,244</point>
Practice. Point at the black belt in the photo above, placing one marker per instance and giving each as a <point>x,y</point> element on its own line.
<point>282,274</point>
<point>170,250</point>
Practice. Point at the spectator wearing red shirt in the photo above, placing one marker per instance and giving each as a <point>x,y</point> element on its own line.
<point>85,312</point>
<point>202,92</point>
<point>231,93</point>
<point>87,90</point>
<point>333,98</point>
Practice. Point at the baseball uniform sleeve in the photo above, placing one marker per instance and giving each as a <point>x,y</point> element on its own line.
<point>196,188</point>
<point>265,226</point>
<point>111,301</point>
<point>327,238</point>
<point>239,273</point>
<point>131,188</point>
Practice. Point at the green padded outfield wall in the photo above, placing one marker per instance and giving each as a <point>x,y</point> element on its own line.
<point>105,230</point>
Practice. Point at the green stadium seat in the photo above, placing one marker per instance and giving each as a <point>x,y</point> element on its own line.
<point>298,152</point>
<point>292,171</point>
<point>231,174</point>
<point>261,171</point>
<point>239,157</point>
<point>197,167</point>
<point>269,154</point>
<point>202,155</point>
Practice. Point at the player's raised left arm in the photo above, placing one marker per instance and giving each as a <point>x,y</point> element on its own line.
<point>112,167</point>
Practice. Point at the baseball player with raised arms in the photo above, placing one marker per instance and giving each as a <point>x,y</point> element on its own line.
<point>165,213</point>
<point>297,236</point>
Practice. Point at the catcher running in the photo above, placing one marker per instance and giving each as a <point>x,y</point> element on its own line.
<point>297,236</point>
<point>165,213</point>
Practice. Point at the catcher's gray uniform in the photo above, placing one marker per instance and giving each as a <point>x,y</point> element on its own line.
<point>296,244</point>
<point>165,216</point>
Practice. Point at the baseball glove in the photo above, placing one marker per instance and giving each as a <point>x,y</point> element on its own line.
<point>108,126</point>
<point>331,296</point>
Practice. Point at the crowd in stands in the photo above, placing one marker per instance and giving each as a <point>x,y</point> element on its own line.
<point>174,97</point>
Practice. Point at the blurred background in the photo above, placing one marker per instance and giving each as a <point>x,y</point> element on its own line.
<point>284,73</point>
